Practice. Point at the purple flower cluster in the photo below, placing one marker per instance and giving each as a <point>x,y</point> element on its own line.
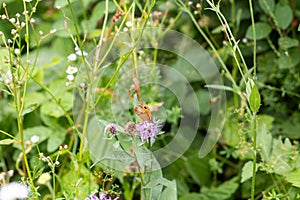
<point>148,131</point>
<point>101,196</point>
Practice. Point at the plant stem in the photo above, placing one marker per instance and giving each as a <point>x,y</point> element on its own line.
<point>253,120</point>
<point>254,37</point>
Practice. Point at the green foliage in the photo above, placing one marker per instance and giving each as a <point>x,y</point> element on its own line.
<point>69,112</point>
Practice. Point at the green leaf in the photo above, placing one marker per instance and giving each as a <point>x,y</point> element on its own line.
<point>201,104</point>
<point>196,166</point>
<point>43,132</point>
<point>170,192</point>
<point>194,196</point>
<point>286,42</point>
<point>99,11</point>
<point>283,15</point>
<point>290,59</point>
<point>56,139</point>
<point>52,109</point>
<point>254,99</point>
<point>247,171</point>
<point>32,101</point>
<point>6,141</point>
<point>267,5</point>
<point>222,192</point>
<point>279,159</point>
<point>62,3</point>
<point>264,138</point>
<point>262,31</point>
<point>294,178</point>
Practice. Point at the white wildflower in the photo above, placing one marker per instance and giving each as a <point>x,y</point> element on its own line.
<point>12,20</point>
<point>80,53</point>
<point>128,24</point>
<point>72,57</point>
<point>71,70</point>
<point>17,51</point>
<point>70,77</point>
<point>35,139</point>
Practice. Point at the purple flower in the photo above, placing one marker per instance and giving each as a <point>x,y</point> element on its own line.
<point>104,196</point>
<point>112,128</point>
<point>92,197</point>
<point>148,131</point>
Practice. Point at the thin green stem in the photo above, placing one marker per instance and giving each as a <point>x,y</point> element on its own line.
<point>254,121</point>
<point>254,37</point>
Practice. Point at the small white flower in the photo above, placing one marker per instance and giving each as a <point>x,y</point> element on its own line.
<point>52,31</point>
<point>35,139</point>
<point>128,24</point>
<point>23,24</point>
<point>3,16</point>
<point>7,77</point>
<point>18,15</point>
<point>12,20</point>
<point>32,20</point>
<point>190,3</point>
<point>80,53</point>
<point>13,191</point>
<point>13,31</point>
<point>17,51</point>
<point>9,41</point>
<point>65,146</point>
<point>198,5</point>
<point>41,32</point>
<point>125,29</point>
<point>72,57</point>
<point>57,162</point>
<point>70,77</point>
<point>58,7</point>
<point>71,70</point>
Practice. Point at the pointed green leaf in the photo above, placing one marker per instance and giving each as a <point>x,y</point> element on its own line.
<point>254,99</point>
<point>6,141</point>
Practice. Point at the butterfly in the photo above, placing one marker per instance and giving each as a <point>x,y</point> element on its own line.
<point>143,111</point>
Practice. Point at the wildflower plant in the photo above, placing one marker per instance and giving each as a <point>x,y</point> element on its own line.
<point>72,74</point>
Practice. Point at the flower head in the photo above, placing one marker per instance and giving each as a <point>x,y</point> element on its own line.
<point>14,190</point>
<point>71,70</point>
<point>112,128</point>
<point>148,131</point>
<point>130,128</point>
<point>72,57</point>
<point>35,139</point>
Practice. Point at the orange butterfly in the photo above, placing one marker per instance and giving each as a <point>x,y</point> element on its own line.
<point>143,111</point>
